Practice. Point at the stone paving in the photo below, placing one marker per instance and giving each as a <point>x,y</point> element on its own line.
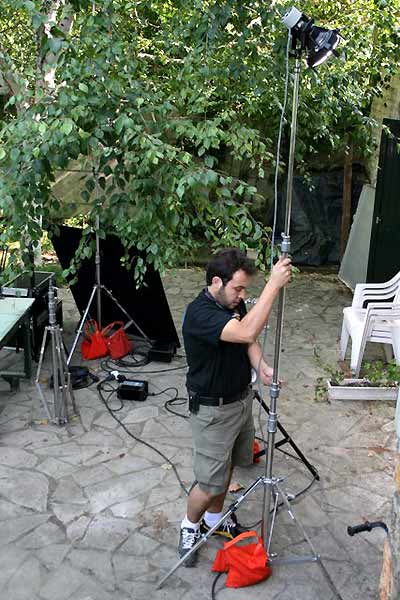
<point>89,513</point>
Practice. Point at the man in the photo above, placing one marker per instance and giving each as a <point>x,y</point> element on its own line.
<point>221,347</point>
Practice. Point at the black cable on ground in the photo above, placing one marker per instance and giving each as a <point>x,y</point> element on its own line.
<point>177,401</point>
<point>213,596</point>
<point>137,439</point>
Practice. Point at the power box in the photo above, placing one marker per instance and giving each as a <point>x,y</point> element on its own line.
<point>135,389</point>
<point>162,352</point>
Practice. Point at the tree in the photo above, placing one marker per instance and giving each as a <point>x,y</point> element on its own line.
<point>155,100</point>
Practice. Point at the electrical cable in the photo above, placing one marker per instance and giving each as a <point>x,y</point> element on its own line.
<point>99,388</point>
<point>277,163</point>
<point>107,367</point>
<point>213,596</point>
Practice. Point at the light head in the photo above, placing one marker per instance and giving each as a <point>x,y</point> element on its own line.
<point>320,43</point>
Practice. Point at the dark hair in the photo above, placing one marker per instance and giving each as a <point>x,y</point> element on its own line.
<point>226,263</point>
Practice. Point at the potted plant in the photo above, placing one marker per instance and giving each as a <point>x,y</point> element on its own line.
<point>380,382</point>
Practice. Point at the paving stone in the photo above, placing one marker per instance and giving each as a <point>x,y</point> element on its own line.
<point>107,493</point>
<point>141,414</point>
<point>44,535</point>
<point>16,457</point>
<point>68,491</point>
<point>67,512</point>
<point>25,581</point>
<point>107,533</point>
<point>77,529</point>
<point>128,509</point>
<point>91,475</point>
<point>128,463</point>
<point>95,563</point>
<point>51,556</point>
<point>12,529</point>
<point>62,583</point>
<point>11,558</point>
<point>26,488</point>
<point>139,545</point>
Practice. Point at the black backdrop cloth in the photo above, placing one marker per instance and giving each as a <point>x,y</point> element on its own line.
<point>316,216</point>
<point>148,306</point>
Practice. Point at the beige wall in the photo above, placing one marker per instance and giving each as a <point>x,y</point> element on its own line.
<point>386,107</point>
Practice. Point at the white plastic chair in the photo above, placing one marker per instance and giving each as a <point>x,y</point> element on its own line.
<point>377,322</point>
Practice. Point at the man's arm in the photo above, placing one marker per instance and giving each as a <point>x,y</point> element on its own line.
<point>264,371</point>
<point>248,329</point>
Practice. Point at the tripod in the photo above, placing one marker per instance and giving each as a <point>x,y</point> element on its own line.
<point>64,406</point>
<point>98,288</point>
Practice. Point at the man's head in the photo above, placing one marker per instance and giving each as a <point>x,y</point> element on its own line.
<point>228,275</point>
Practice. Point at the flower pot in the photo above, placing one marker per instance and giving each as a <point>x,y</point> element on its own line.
<point>352,389</point>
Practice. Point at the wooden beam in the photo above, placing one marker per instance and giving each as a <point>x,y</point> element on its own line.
<point>346,201</point>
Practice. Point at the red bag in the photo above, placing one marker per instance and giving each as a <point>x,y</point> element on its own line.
<point>94,345</point>
<point>116,339</point>
<point>246,565</point>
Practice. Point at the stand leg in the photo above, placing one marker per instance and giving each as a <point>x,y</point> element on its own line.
<point>81,323</point>
<point>39,389</point>
<point>205,537</point>
<point>131,320</point>
<point>287,440</point>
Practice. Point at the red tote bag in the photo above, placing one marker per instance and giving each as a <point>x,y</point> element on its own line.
<point>246,564</point>
<point>93,345</point>
<point>116,339</point>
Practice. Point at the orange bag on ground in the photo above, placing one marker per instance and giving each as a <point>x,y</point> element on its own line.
<point>116,339</point>
<point>94,345</point>
<point>246,565</point>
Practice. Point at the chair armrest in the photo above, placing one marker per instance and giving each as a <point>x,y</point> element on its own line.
<point>370,292</point>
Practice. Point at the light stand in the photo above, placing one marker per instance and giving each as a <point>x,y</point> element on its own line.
<point>98,288</point>
<point>319,44</point>
<point>64,406</point>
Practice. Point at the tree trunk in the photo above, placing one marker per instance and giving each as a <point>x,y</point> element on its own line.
<point>346,202</point>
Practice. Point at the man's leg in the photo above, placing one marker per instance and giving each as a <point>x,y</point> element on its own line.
<point>200,501</point>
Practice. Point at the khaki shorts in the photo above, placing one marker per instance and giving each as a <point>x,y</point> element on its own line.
<point>222,436</point>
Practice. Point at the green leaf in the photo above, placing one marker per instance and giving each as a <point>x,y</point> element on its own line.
<point>67,126</point>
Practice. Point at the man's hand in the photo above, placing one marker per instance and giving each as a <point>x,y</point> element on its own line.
<point>281,273</point>
<point>265,373</point>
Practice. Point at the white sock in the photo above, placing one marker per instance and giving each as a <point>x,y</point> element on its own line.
<point>211,518</point>
<point>189,524</point>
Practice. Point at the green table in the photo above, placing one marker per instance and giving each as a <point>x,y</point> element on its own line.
<point>15,316</point>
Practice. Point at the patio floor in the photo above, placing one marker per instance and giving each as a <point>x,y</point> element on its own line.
<point>89,513</point>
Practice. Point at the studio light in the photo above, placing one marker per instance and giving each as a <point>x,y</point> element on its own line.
<point>319,43</point>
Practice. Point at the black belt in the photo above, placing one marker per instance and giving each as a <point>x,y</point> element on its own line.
<point>221,400</point>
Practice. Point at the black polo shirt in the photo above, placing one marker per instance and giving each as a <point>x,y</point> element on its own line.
<point>216,368</point>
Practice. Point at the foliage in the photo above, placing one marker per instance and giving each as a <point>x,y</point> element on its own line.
<point>381,374</point>
<point>170,110</point>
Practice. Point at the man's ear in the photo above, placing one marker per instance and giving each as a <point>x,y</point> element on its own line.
<point>216,281</point>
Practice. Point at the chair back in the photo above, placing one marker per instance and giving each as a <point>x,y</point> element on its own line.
<point>377,292</point>
<point>378,322</point>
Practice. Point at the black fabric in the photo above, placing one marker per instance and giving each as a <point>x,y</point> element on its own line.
<point>216,368</point>
<point>316,216</point>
